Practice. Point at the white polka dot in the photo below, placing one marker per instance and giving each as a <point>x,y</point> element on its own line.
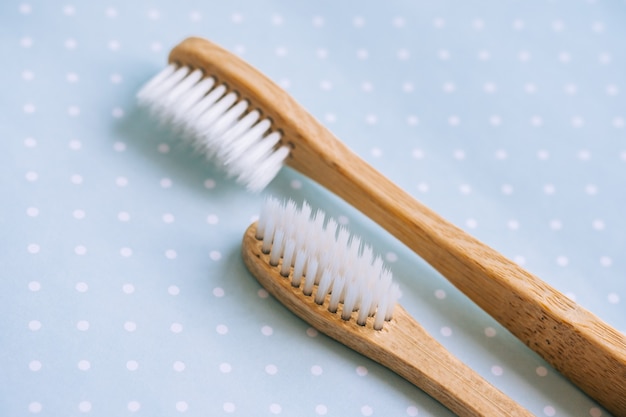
<point>606,261</point>
<point>78,214</point>
<point>130,326</point>
<point>595,412</point>
<point>271,369</point>
<point>443,54</point>
<point>536,121</point>
<point>82,325</point>
<point>73,111</point>
<point>75,145</point>
<point>128,288</point>
<point>403,54</point>
<point>613,298</point>
<point>113,45</point>
<point>295,184</point>
<point>495,120</point>
<point>32,176</point>
<point>25,8</point>
<point>171,254</point>
<point>126,252</point>
<point>215,255</point>
<point>81,287</point>
<point>117,112</point>
<point>80,250</point>
<point>571,89</point>
<point>116,78</point>
<point>454,120</point>
<point>471,223</point>
<point>497,370</point>
<point>221,329</point>
<point>361,370</point>
<point>465,189</point>
<point>33,248</point>
<point>34,365</point>
<point>26,42</point>
<point>358,21</point>
<point>84,406</point>
<point>121,181</point>
<point>236,17</point>
<point>519,259</point>
<point>549,410</point>
<point>490,332</point>
<point>619,122</point>
<point>598,224</point>
<point>281,51</point>
<point>178,366</point>
<point>176,328</point>
<point>134,406</point>
<point>440,294</point>
<point>562,260</point>
<point>448,87</point>
<point>446,331</point>
<point>489,87</point>
<point>173,290</point>
<point>168,218</point>
<point>28,75</point>
<point>513,224</point>
<point>30,142</point>
<point>34,286</point>
<point>262,293</point>
<point>218,292</point>
<point>70,43</point>
<point>412,411</point>
<point>132,365</point>
<point>530,88</point>
<point>321,410</point>
<point>311,332</point>
<point>541,371</point>
<point>605,58</point>
<point>439,22</point>
<point>549,189</point>
<point>523,56</point>
<point>367,410</point>
<point>507,189</point>
<point>417,154</point>
<point>35,407</point>
<point>484,55</point>
<point>225,367</point>
<point>330,117</point>
<point>564,57</point>
<point>84,365</point>
<point>76,179</point>
<point>182,406</point>
<point>316,370</point>
<point>543,154</point>
<point>318,21</point>
<point>119,146</point>
<point>391,257</point>
<point>556,224</point>
<point>229,407</point>
<point>154,14</point>
<point>69,10</point>
<point>267,330</point>
<point>166,182</point>
<point>275,408</point>
<point>32,212</point>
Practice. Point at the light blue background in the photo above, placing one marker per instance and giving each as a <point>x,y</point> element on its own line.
<point>123,292</point>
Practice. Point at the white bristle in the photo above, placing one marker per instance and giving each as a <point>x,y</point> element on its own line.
<point>323,254</point>
<point>216,122</point>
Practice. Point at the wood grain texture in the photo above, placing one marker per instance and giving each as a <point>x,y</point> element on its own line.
<point>402,345</point>
<point>573,340</point>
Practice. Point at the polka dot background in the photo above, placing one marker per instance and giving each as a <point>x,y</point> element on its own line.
<point>123,292</point>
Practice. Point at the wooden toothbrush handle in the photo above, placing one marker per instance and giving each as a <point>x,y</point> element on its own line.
<point>406,348</point>
<point>573,340</point>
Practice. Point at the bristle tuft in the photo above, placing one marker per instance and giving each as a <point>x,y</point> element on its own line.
<point>217,123</point>
<point>315,251</point>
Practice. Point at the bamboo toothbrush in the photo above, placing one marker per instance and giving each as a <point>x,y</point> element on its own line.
<point>335,283</point>
<point>251,128</point>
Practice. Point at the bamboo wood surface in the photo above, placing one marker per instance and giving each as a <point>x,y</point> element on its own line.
<point>573,340</point>
<point>402,345</point>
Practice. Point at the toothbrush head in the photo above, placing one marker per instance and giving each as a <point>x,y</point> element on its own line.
<point>203,94</point>
<point>321,262</point>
